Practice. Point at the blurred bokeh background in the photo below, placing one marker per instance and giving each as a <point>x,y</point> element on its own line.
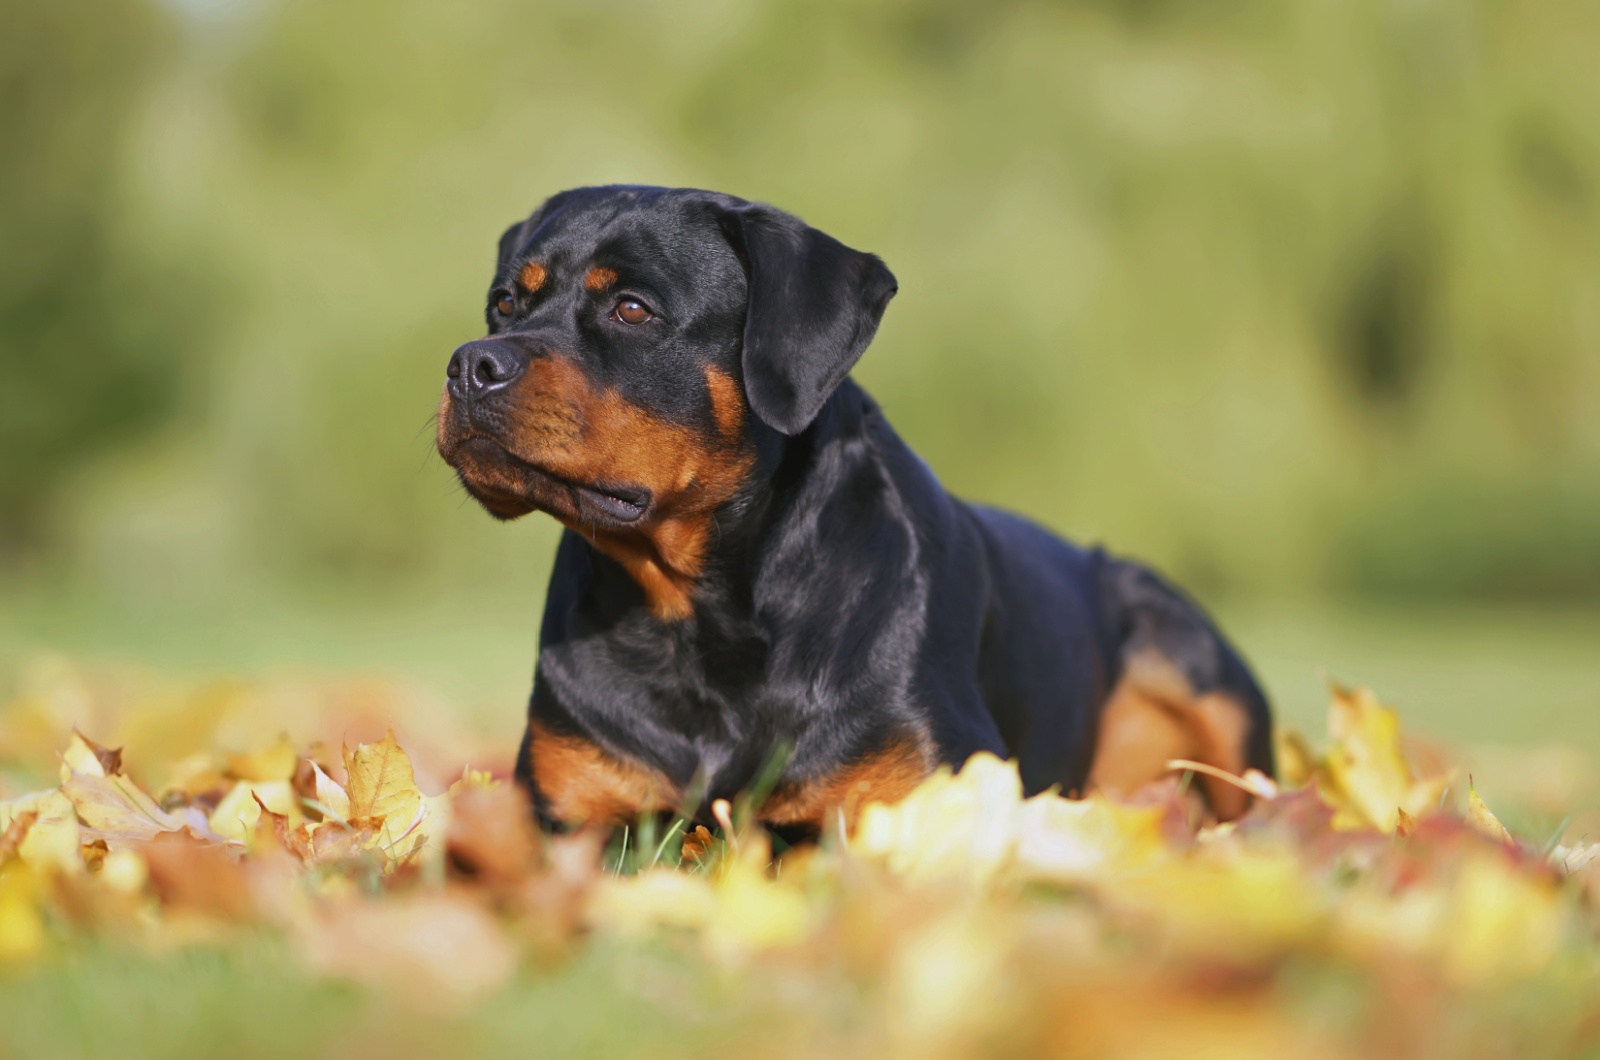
<point>1297,299</point>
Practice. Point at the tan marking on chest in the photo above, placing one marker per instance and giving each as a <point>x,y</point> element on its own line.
<point>581,784</point>
<point>563,424</point>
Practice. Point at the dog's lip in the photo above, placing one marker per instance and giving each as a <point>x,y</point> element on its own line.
<point>622,503</point>
<point>612,502</point>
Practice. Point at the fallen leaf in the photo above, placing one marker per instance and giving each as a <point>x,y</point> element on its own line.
<point>1480,818</point>
<point>275,763</point>
<point>236,815</point>
<point>491,838</point>
<point>22,934</point>
<point>85,756</point>
<point>192,875</point>
<point>382,788</point>
<point>329,795</point>
<point>1365,774</point>
<point>439,950</point>
<point>697,844</point>
<point>115,809</point>
<point>41,829</point>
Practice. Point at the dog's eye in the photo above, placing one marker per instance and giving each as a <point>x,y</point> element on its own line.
<point>504,303</point>
<point>631,311</point>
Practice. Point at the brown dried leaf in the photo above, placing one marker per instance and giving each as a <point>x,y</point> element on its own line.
<point>697,843</point>
<point>438,949</point>
<point>83,755</point>
<point>492,838</point>
<point>186,873</point>
<point>13,833</point>
<point>338,840</point>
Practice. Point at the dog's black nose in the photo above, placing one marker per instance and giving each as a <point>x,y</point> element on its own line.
<point>482,366</point>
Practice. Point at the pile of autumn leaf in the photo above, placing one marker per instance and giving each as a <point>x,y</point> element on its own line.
<point>969,919</point>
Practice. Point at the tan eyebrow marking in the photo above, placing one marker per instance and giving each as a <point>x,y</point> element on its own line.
<point>599,278</point>
<point>532,276</point>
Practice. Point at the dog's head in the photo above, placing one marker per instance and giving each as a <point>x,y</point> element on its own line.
<point>643,344</point>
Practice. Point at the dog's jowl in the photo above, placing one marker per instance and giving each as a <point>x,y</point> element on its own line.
<point>758,574</point>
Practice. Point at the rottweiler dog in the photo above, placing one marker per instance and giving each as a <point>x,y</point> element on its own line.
<point>755,564</point>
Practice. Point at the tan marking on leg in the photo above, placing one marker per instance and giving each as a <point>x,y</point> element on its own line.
<point>581,784</point>
<point>1152,716</point>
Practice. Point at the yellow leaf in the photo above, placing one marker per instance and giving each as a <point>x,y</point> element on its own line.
<point>473,780</point>
<point>962,824</point>
<point>1225,898</point>
<point>237,814</point>
<point>1365,774</point>
<point>1485,822</point>
<point>382,787</point>
<point>755,911</point>
<point>85,756</point>
<point>275,763</point>
<point>21,927</point>
<point>116,808</point>
<point>329,794</point>
<point>1296,763</point>
<point>48,836</point>
<point>1074,839</point>
<point>1505,922</point>
<point>635,906</point>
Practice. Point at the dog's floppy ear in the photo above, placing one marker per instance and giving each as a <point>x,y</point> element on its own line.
<point>814,306</point>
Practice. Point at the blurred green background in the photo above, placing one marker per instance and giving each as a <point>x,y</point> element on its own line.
<point>1297,299</point>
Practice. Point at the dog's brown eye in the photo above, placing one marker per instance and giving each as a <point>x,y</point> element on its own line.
<point>505,303</point>
<point>631,311</point>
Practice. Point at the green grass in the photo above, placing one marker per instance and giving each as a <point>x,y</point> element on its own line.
<point>1467,675</point>
<point>252,1000</point>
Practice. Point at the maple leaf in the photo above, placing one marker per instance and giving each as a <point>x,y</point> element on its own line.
<point>1365,774</point>
<point>117,810</point>
<point>83,755</point>
<point>42,830</point>
<point>328,794</point>
<point>383,789</point>
<point>239,811</point>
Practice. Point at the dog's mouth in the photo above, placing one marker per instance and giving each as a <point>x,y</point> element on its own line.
<point>510,486</point>
<point>622,503</point>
